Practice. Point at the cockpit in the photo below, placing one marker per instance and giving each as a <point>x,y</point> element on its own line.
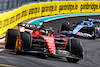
<point>85,22</point>
<point>46,30</point>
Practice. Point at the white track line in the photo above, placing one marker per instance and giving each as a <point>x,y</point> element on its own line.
<point>8,57</point>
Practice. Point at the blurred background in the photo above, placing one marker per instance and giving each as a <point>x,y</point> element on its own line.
<point>7,5</point>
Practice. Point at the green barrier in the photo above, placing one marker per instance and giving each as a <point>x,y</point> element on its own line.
<point>11,19</point>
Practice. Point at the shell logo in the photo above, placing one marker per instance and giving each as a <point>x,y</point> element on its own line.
<point>49,40</point>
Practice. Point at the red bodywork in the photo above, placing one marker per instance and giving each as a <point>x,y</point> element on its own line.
<point>50,40</point>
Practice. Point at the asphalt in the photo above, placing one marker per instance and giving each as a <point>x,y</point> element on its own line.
<point>91,52</point>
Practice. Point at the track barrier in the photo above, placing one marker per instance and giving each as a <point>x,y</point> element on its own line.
<point>11,19</point>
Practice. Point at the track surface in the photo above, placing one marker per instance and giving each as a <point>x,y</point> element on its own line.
<point>91,52</point>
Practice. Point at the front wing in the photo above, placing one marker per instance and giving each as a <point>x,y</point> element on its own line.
<point>67,54</point>
<point>94,20</point>
<point>78,33</point>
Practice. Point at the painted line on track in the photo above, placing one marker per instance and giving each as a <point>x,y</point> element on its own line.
<point>8,57</point>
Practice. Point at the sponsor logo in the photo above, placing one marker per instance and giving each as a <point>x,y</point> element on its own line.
<point>49,40</point>
<point>84,34</point>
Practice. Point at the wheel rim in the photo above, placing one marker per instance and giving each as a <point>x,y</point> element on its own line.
<point>16,46</point>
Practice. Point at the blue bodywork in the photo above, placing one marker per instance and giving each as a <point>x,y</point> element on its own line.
<point>81,25</point>
<point>94,20</point>
<point>84,24</point>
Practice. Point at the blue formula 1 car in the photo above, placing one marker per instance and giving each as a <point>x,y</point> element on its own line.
<point>87,28</point>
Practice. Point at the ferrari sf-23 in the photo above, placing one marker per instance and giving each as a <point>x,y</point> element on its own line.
<point>40,38</point>
<point>87,28</point>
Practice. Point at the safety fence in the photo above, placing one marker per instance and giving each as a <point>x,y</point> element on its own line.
<point>8,5</point>
<point>12,18</point>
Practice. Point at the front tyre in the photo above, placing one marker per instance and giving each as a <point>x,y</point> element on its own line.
<point>26,41</point>
<point>75,48</point>
<point>44,56</point>
<point>72,60</point>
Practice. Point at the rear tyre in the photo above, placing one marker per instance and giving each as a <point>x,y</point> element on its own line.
<point>72,60</point>
<point>75,48</point>
<point>11,37</point>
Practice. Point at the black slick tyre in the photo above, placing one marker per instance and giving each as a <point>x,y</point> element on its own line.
<point>18,52</point>
<point>65,26</point>
<point>11,37</point>
<point>72,60</point>
<point>75,48</point>
<point>44,56</point>
<point>26,41</point>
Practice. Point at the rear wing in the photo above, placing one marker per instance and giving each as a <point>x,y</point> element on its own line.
<point>31,26</point>
<point>28,26</point>
<point>94,20</point>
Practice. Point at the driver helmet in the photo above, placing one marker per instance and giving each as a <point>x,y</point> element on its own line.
<point>68,23</point>
<point>91,22</point>
<point>85,23</point>
<point>42,31</point>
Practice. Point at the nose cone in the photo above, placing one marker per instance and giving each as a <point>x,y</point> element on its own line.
<point>77,29</point>
<point>52,50</point>
<point>51,45</point>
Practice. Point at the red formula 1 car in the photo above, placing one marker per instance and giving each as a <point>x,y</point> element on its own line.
<point>40,38</point>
